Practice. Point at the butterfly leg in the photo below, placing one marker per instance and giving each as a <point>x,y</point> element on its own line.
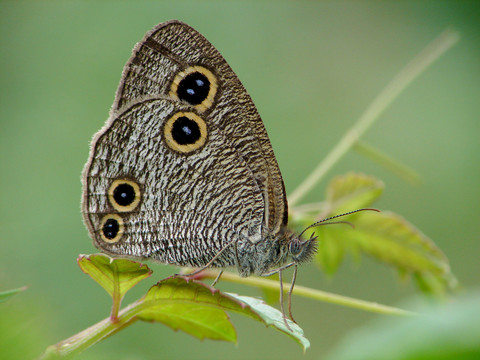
<point>217,278</point>
<point>281,301</point>
<point>278,270</point>
<point>217,255</point>
<point>294,277</point>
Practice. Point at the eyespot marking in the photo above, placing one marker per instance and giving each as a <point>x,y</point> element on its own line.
<point>111,228</point>
<point>196,85</point>
<point>124,195</point>
<point>185,132</point>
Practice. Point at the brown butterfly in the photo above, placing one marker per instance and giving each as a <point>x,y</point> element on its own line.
<point>183,171</point>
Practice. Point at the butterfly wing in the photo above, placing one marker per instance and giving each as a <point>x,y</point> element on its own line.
<point>173,46</point>
<point>175,176</point>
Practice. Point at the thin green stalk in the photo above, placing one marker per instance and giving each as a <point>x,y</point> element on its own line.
<point>309,293</point>
<point>90,336</point>
<point>4,295</point>
<point>404,78</point>
<point>116,296</point>
<point>388,162</point>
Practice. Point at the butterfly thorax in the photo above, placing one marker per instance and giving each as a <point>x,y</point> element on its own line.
<point>272,252</point>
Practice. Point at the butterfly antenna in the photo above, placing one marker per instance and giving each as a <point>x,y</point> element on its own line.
<point>324,221</point>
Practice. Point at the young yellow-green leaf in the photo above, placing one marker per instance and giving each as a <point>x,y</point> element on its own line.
<point>331,248</point>
<point>351,192</point>
<point>4,295</point>
<point>110,273</point>
<point>273,317</point>
<point>392,240</point>
<point>344,193</point>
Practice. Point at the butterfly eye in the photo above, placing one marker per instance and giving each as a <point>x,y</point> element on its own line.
<point>111,228</point>
<point>124,195</point>
<point>185,132</point>
<point>196,85</point>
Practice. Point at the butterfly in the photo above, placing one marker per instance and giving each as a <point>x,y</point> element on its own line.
<point>183,171</point>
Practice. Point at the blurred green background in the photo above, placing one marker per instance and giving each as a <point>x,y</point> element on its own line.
<point>311,68</point>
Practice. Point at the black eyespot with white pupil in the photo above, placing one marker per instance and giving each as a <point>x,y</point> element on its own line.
<point>124,194</point>
<point>195,85</point>
<point>185,131</point>
<point>110,228</point>
<point>194,88</point>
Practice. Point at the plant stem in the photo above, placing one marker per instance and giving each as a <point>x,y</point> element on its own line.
<point>90,336</point>
<point>388,162</point>
<point>4,295</point>
<point>116,296</point>
<point>404,78</point>
<point>309,293</point>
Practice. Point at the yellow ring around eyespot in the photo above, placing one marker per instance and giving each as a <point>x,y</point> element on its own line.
<point>116,205</point>
<point>120,228</point>
<point>185,149</point>
<point>205,104</point>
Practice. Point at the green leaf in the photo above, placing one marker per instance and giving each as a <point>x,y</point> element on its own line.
<point>113,274</point>
<point>385,236</point>
<point>391,239</point>
<point>5,295</point>
<point>352,191</point>
<point>200,310</point>
<point>192,307</point>
<point>273,317</point>
<point>450,332</point>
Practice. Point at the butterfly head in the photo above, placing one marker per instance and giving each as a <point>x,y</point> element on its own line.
<point>301,250</point>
